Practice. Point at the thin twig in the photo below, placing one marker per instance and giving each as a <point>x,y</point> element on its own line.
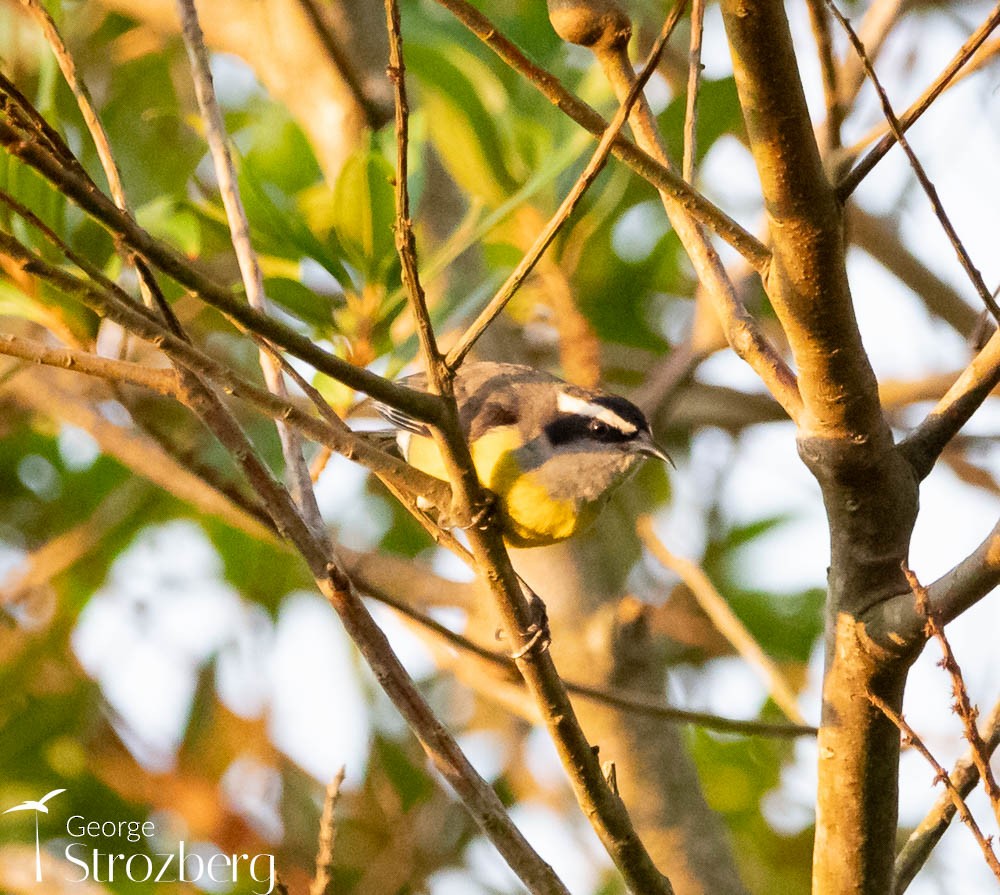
<point>725,620</point>
<point>928,833</point>
<point>693,83</point>
<point>820,22</point>
<point>70,180</point>
<point>521,623</point>
<point>941,776</point>
<point>962,705</point>
<point>239,229</point>
<point>476,794</point>
<point>877,22</point>
<point>151,293</point>
<point>157,379</point>
<point>631,702</point>
<point>924,444</point>
<point>641,161</point>
<point>742,331</point>
<point>913,113</point>
<point>963,256</point>
<point>327,836</point>
<point>137,319</point>
<point>569,204</point>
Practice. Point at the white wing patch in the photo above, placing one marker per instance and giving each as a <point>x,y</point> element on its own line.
<point>568,403</point>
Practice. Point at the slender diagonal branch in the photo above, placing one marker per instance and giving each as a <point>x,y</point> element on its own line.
<point>327,836</point>
<point>725,620</point>
<point>630,702</point>
<point>910,117</point>
<point>566,208</point>
<point>642,162</point>
<point>962,705</point>
<point>239,227</point>
<point>941,776</point>
<point>925,182</point>
<point>606,30</point>
<point>151,293</point>
<point>138,320</point>
<point>924,444</point>
<point>71,182</point>
<point>928,833</point>
<point>526,637</point>
<point>693,83</point>
<point>820,22</point>
<point>476,794</point>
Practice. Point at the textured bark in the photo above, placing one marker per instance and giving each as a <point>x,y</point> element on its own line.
<point>869,488</point>
<point>606,643</point>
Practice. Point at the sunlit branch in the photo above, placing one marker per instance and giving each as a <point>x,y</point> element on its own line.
<point>137,319</point>
<point>962,705</point>
<point>726,622</point>
<point>925,443</point>
<point>296,470</point>
<point>75,186</point>
<point>921,105</point>
<point>691,99</point>
<point>918,169</point>
<point>566,208</point>
<point>629,702</point>
<point>928,833</point>
<point>661,176</point>
<point>941,776</point>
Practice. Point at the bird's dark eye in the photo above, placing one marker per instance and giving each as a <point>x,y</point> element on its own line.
<point>598,428</point>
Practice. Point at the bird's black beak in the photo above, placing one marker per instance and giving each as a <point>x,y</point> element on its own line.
<point>644,444</point>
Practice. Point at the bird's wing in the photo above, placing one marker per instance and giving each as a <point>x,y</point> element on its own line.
<point>24,807</point>
<point>400,419</point>
<point>50,795</point>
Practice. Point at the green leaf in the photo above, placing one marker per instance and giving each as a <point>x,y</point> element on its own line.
<point>364,208</point>
<point>410,781</point>
<point>458,92</point>
<point>314,308</point>
<point>173,222</point>
<point>718,113</point>
<point>278,227</point>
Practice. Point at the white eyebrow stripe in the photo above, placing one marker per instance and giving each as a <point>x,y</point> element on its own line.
<point>568,403</point>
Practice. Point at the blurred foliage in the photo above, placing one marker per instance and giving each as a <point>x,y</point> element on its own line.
<point>485,147</point>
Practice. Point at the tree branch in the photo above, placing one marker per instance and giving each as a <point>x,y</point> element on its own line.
<point>921,105</point>
<point>476,794</point>
<point>963,256</point>
<point>725,620</point>
<point>566,208</point>
<point>138,320</point>
<point>602,807</point>
<point>869,491</point>
<point>80,190</point>
<point>941,776</point>
<point>929,831</point>
<point>662,177</point>
<point>924,444</point>
<point>606,30</point>
<point>239,227</point>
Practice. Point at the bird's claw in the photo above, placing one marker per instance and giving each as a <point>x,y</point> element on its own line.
<point>538,633</point>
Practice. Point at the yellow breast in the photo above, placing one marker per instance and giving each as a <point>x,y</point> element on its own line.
<point>530,517</point>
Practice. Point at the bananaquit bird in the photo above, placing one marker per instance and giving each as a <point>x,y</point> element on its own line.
<point>552,452</point>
